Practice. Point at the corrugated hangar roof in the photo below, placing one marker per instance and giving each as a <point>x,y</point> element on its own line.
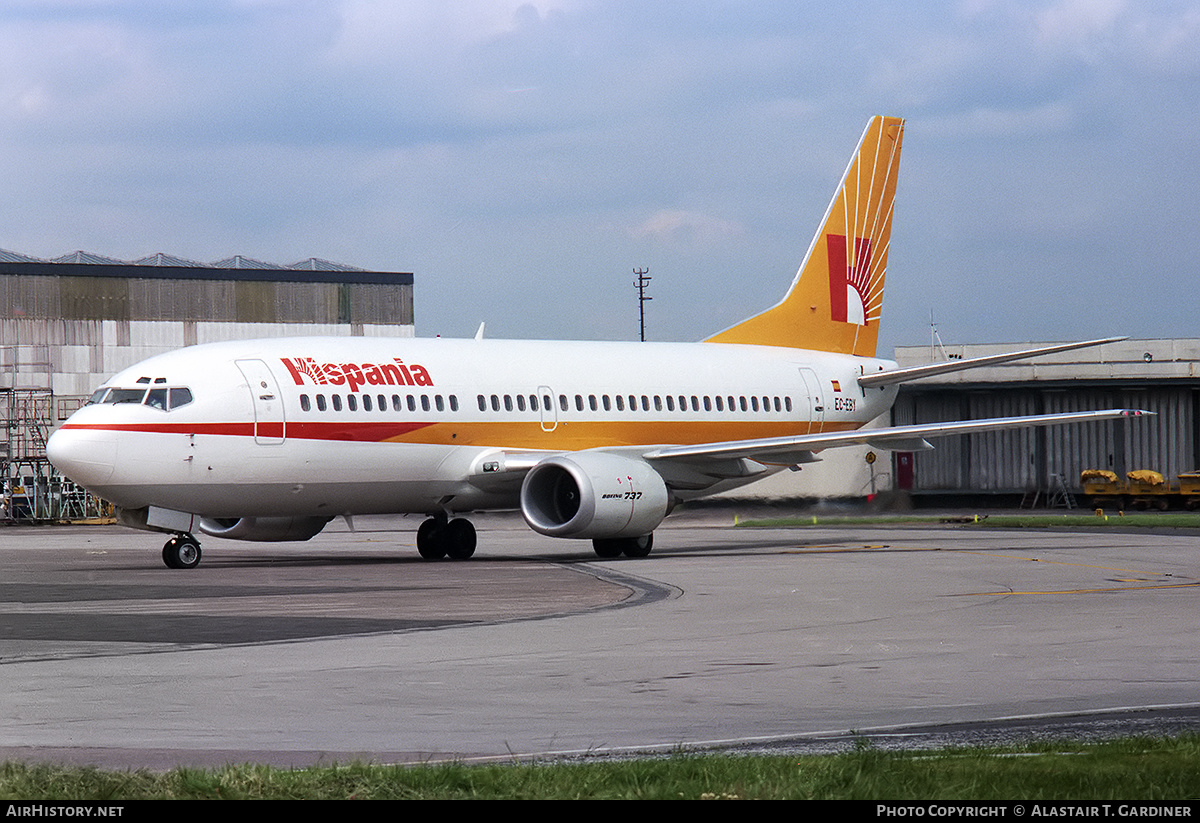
<point>237,261</point>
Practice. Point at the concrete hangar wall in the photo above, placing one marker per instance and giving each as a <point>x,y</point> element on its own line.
<point>1161,376</point>
<point>68,326</point>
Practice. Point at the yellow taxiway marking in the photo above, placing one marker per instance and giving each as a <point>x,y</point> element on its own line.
<point>1006,592</point>
<point>1147,584</point>
<point>1060,563</point>
<point>1094,590</point>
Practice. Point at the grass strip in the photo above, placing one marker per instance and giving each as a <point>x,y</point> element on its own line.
<point>1124,769</point>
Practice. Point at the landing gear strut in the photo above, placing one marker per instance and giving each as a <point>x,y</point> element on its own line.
<point>628,546</point>
<point>437,538</point>
<point>182,552</point>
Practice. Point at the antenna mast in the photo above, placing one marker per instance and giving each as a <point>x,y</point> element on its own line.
<point>640,284</point>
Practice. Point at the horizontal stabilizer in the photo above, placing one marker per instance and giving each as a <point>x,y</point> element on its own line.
<point>888,378</point>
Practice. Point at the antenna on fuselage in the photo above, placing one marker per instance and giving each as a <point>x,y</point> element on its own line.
<point>479,334</point>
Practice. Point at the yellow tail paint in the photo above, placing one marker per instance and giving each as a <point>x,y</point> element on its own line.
<point>836,300</point>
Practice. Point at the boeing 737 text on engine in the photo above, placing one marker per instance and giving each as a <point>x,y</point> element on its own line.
<point>271,439</point>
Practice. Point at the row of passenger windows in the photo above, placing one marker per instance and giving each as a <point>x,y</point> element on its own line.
<point>534,403</point>
<point>633,402</point>
<point>379,402</point>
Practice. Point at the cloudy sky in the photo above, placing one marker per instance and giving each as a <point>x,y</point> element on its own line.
<point>522,158</point>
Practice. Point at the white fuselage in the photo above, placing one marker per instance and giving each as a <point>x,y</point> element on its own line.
<point>331,426</point>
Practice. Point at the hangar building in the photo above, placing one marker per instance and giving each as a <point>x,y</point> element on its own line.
<point>1160,376</point>
<point>68,324</point>
<point>1031,467</point>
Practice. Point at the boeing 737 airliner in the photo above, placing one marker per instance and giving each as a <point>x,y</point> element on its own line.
<point>271,439</point>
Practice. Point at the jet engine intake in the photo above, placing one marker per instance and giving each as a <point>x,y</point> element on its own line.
<point>594,495</point>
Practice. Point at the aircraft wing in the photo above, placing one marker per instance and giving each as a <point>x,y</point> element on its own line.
<point>801,448</point>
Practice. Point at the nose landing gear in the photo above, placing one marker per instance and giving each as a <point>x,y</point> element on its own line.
<point>181,552</point>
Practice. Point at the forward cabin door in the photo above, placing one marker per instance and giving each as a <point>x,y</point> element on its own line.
<point>268,404</point>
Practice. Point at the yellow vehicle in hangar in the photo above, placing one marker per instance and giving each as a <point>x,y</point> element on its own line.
<point>1141,489</point>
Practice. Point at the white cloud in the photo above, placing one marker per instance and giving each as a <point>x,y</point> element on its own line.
<point>687,228</point>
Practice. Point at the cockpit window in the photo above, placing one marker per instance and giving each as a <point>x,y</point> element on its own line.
<point>158,397</point>
<point>161,397</point>
<point>125,396</point>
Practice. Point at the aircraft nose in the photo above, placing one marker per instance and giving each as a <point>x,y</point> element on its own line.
<point>86,457</point>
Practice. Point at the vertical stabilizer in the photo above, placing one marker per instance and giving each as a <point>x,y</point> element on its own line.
<point>836,300</point>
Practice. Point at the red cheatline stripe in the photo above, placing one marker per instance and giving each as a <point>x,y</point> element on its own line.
<point>348,430</point>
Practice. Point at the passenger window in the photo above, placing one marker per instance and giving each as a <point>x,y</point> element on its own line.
<point>396,403</point>
<point>439,402</point>
<point>412,403</point>
<point>320,402</point>
<point>520,402</point>
<point>562,401</point>
<point>579,402</point>
<point>382,403</point>
<point>620,402</point>
<point>495,403</point>
<point>352,402</point>
<point>337,401</point>
<point>787,403</point>
<point>592,402</point>
<point>304,404</point>
<point>657,403</point>
<point>533,402</point>
<point>424,402</point>
<point>366,402</point>
<point>720,403</point>
<point>454,402</point>
<point>482,403</point>
<point>508,406</point>
<point>670,403</point>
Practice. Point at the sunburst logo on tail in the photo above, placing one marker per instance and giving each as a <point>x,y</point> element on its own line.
<point>851,290</point>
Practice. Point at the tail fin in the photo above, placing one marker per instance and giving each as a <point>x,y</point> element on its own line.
<point>835,302</point>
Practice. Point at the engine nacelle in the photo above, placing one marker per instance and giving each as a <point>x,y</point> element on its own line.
<point>594,495</point>
<point>264,529</point>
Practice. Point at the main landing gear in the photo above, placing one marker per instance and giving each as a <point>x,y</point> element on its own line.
<point>438,538</point>
<point>182,552</point>
<point>628,546</point>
